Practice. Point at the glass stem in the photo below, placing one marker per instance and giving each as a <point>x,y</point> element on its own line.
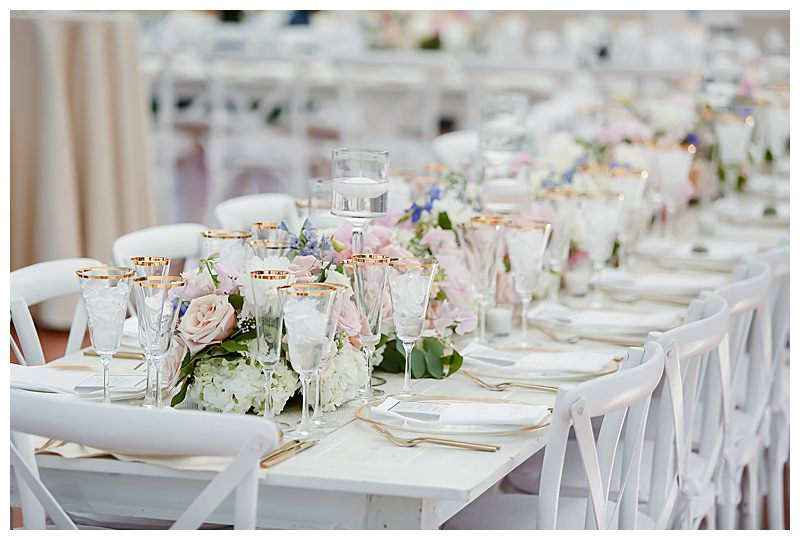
<point>526,302</point>
<point>358,239</point>
<point>368,350</point>
<point>304,423</point>
<point>149,395</point>
<point>267,392</point>
<point>552,294</point>
<point>159,395</point>
<point>669,222</point>
<point>597,297</point>
<point>317,413</point>
<point>106,361</point>
<point>408,347</point>
<point>482,320</point>
<point>624,263</point>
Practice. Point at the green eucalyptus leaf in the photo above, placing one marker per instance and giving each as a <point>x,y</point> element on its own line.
<point>233,346</point>
<point>236,301</point>
<point>444,221</point>
<point>181,395</point>
<point>393,361</point>
<point>418,365</point>
<point>455,362</point>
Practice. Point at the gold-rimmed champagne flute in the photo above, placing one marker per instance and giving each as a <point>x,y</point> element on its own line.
<point>149,265</point>
<point>561,205</point>
<point>479,239</point>
<point>733,135</point>
<point>158,303</point>
<point>410,281</point>
<point>631,184</point>
<point>526,241</point>
<point>370,273</point>
<point>264,288</point>
<point>105,291</point>
<point>307,309</point>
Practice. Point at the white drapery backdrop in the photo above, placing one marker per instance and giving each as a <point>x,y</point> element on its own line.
<point>80,170</point>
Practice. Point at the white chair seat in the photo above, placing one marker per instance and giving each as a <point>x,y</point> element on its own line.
<point>517,511</point>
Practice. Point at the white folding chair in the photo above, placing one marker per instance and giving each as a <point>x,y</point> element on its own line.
<point>37,283</point>
<point>241,212</point>
<point>622,400</point>
<point>456,149</point>
<point>778,451</point>
<point>746,416</point>
<point>671,483</point>
<point>177,241</point>
<point>147,431</point>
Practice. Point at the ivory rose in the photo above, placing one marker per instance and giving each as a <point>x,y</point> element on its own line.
<point>209,319</point>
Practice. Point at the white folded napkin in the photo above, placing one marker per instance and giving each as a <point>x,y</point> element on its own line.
<point>599,318</point>
<point>573,362</point>
<point>750,210</point>
<point>772,185</point>
<point>57,381</point>
<point>461,414</point>
<point>718,250</point>
<point>662,282</point>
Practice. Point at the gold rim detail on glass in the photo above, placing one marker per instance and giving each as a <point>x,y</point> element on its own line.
<point>227,234</point>
<point>368,258</point>
<point>307,289</point>
<point>160,281</point>
<point>266,225</point>
<point>124,272</point>
<point>268,244</point>
<point>530,224</point>
<point>269,274</point>
<point>150,261</point>
<point>413,262</point>
<point>486,220</point>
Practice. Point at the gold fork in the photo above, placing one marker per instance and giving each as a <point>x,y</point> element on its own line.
<point>285,451</point>
<point>503,385</point>
<point>572,339</point>
<point>481,447</point>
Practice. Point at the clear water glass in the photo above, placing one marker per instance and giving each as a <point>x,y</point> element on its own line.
<point>479,238</point>
<point>149,266</point>
<point>342,293</point>
<point>268,318</point>
<point>307,310</point>
<point>268,230</point>
<point>600,216</point>
<point>157,305</point>
<point>359,188</point>
<point>631,184</point>
<point>410,281</point>
<point>226,246</point>
<point>105,291</point>
<point>370,273</point>
<point>526,241</point>
<point>268,249</point>
<point>559,204</point>
<point>502,126</point>
<point>733,137</point>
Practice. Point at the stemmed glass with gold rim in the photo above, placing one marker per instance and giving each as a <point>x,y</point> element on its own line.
<point>105,291</point>
<point>307,309</point>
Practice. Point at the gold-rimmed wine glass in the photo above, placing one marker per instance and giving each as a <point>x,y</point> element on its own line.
<point>268,318</point>
<point>342,292</point>
<point>600,215</point>
<point>526,241</point>
<point>227,246</point>
<point>268,249</point>
<point>105,291</point>
<point>410,281</point>
<point>157,306</point>
<point>268,230</point>
<point>307,309</point>
<point>370,273</point>
<point>479,239</point>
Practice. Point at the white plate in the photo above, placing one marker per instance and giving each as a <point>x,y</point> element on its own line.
<point>364,413</point>
<point>550,377</point>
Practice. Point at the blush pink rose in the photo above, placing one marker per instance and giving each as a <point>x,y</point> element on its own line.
<point>440,241</point>
<point>197,285</point>
<point>172,362</point>
<point>304,267</point>
<point>208,319</point>
<point>227,280</point>
<point>349,319</point>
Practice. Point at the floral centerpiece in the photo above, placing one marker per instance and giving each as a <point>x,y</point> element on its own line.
<point>219,371</point>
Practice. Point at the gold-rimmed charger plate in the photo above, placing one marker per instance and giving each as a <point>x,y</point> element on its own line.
<point>363,413</point>
<point>535,377</point>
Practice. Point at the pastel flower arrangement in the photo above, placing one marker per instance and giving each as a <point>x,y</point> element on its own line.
<point>219,371</point>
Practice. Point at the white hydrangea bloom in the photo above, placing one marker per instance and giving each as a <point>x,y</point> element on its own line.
<point>457,211</point>
<point>349,374</point>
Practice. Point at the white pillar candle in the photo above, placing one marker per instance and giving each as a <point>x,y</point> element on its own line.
<point>577,281</point>
<point>498,320</point>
